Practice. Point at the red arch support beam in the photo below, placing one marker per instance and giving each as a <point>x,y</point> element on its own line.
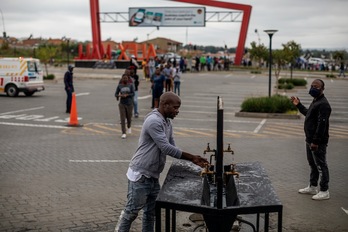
<point>96,37</point>
<point>245,21</point>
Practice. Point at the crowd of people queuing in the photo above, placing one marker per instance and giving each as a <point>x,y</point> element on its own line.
<point>165,76</point>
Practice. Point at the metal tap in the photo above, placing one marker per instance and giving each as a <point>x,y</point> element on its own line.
<point>233,171</point>
<point>208,149</point>
<point>229,149</point>
<point>206,171</point>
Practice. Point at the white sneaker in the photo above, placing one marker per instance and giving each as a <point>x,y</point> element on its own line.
<point>322,195</point>
<point>311,190</point>
<point>129,131</point>
<point>124,136</point>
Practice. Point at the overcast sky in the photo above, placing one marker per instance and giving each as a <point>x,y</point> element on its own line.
<point>321,24</point>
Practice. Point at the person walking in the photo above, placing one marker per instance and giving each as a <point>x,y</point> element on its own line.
<point>69,87</point>
<point>316,128</point>
<point>124,93</point>
<point>156,142</point>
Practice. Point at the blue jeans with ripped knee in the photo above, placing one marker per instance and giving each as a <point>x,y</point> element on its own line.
<point>141,194</point>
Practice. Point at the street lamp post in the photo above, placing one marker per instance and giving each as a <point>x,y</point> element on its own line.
<point>68,50</point>
<point>68,47</point>
<point>3,25</point>
<point>270,34</point>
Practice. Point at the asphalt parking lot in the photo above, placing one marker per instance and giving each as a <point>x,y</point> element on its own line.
<point>58,178</point>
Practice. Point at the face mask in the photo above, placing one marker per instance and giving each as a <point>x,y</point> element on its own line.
<point>314,92</point>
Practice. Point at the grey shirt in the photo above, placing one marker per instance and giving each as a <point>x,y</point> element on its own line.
<point>155,143</point>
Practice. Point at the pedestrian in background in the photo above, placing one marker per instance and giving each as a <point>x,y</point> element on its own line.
<point>156,142</point>
<point>135,79</point>
<point>177,80</point>
<point>342,68</point>
<point>145,66</point>
<point>124,94</point>
<point>168,73</point>
<point>133,63</point>
<point>158,81</point>
<point>316,127</point>
<point>69,87</point>
<point>152,67</point>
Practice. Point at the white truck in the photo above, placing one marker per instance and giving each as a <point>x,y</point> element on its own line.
<point>20,75</point>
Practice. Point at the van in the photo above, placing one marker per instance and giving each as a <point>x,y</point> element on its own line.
<point>20,75</point>
<point>314,60</point>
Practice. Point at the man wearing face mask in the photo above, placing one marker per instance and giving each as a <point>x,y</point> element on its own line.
<point>316,127</point>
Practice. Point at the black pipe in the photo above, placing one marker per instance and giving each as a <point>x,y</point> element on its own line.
<point>219,153</point>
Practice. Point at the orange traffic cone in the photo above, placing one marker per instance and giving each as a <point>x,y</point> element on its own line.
<point>73,113</point>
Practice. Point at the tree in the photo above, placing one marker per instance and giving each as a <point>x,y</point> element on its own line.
<point>258,52</point>
<point>338,56</point>
<point>45,53</point>
<point>291,51</point>
<point>279,60</point>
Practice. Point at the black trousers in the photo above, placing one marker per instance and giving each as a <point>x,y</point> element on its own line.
<point>318,165</point>
<point>68,100</point>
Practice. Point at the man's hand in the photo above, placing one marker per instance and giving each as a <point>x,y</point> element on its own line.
<point>196,159</point>
<point>295,100</point>
<point>314,147</point>
<point>200,161</point>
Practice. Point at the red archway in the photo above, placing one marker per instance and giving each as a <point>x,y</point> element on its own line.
<point>98,49</point>
<point>245,21</point>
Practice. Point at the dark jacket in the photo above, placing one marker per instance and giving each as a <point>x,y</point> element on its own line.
<point>68,81</point>
<point>316,124</point>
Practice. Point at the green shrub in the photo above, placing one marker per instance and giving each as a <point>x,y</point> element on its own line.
<point>281,81</point>
<point>49,77</point>
<point>330,75</point>
<point>298,82</point>
<point>294,81</point>
<point>255,71</point>
<point>286,86</point>
<point>274,104</point>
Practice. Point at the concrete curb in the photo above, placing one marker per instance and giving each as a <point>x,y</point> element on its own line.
<point>267,115</point>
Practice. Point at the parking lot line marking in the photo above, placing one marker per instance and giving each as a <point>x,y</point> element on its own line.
<point>144,97</point>
<point>36,108</point>
<point>258,128</point>
<point>32,125</point>
<point>82,94</point>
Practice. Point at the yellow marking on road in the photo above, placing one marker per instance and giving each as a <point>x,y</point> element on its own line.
<point>181,134</point>
<point>106,127</point>
<point>197,132</point>
<point>278,134</point>
<point>95,131</point>
<point>72,131</point>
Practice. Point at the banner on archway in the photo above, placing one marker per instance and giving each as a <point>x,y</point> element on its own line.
<point>167,17</point>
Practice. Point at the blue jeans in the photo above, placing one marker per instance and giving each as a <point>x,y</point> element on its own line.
<point>135,103</point>
<point>141,195</point>
<point>318,165</point>
<point>177,87</point>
